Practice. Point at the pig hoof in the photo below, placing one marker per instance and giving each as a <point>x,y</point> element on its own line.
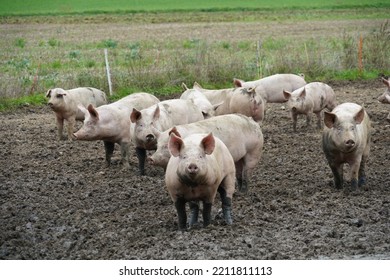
<point>362,181</point>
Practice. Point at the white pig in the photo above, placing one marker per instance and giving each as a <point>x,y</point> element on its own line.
<point>111,123</point>
<point>385,97</point>
<point>200,166</point>
<point>199,100</point>
<point>235,100</point>
<point>158,118</point>
<point>241,135</point>
<point>271,87</point>
<point>346,139</point>
<point>65,103</point>
<point>309,99</point>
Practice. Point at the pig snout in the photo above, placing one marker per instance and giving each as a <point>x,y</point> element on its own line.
<point>150,138</point>
<point>192,169</point>
<point>349,143</point>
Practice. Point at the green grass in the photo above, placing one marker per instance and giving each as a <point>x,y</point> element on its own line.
<point>37,7</point>
<point>32,63</point>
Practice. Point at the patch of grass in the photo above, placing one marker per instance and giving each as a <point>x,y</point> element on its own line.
<point>12,103</point>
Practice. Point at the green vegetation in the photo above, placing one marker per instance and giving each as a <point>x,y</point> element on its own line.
<point>34,60</point>
<point>36,7</point>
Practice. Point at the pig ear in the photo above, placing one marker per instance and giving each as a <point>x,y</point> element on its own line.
<point>303,93</point>
<point>286,94</point>
<point>93,111</point>
<point>197,86</point>
<point>215,106</point>
<point>208,144</point>
<point>237,82</point>
<point>156,113</point>
<point>386,82</point>
<point>174,131</point>
<point>329,119</point>
<point>135,115</point>
<point>48,93</point>
<point>175,145</point>
<point>184,86</point>
<point>359,116</point>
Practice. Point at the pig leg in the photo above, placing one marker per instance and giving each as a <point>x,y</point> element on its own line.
<point>318,119</point>
<point>362,173</point>
<point>355,171</point>
<point>206,213</point>
<point>60,126</point>
<point>337,175</point>
<point>226,206</point>
<point>141,155</point>
<point>109,148</point>
<point>239,174</point>
<point>180,205</point>
<point>125,154</point>
<point>308,119</point>
<point>71,125</point>
<point>294,117</point>
<point>194,207</point>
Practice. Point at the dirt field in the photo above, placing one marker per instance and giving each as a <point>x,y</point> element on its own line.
<point>59,201</point>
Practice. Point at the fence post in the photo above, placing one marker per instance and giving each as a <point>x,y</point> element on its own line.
<point>108,71</point>
<point>258,62</point>
<point>360,55</point>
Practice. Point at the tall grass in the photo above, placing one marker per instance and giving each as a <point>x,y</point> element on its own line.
<point>30,68</point>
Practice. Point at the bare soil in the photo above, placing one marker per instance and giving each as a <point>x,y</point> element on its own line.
<point>59,201</point>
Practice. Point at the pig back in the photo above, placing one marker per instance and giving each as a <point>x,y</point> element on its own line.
<point>241,135</point>
<point>271,87</point>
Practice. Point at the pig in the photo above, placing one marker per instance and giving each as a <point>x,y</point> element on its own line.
<point>200,165</point>
<point>158,118</point>
<point>235,100</point>
<point>385,97</point>
<point>241,135</point>
<point>65,103</point>
<point>309,99</point>
<point>271,87</point>
<point>111,123</point>
<point>346,139</point>
<point>199,100</point>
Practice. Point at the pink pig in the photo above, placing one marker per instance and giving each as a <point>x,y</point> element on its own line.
<point>309,99</point>
<point>346,139</point>
<point>200,166</point>
<point>111,123</point>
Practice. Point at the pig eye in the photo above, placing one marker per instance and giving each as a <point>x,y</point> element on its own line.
<point>59,96</point>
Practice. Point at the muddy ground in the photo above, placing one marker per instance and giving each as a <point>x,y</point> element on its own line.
<point>59,201</point>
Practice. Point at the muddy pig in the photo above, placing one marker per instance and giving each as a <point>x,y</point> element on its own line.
<point>235,100</point>
<point>309,99</point>
<point>241,135</point>
<point>385,97</point>
<point>157,118</point>
<point>346,139</point>
<point>271,87</point>
<point>200,166</point>
<point>64,104</point>
<point>111,123</point>
<point>199,100</point>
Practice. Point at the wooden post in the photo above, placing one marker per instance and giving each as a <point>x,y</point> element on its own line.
<point>258,62</point>
<point>360,55</point>
<point>108,71</point>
